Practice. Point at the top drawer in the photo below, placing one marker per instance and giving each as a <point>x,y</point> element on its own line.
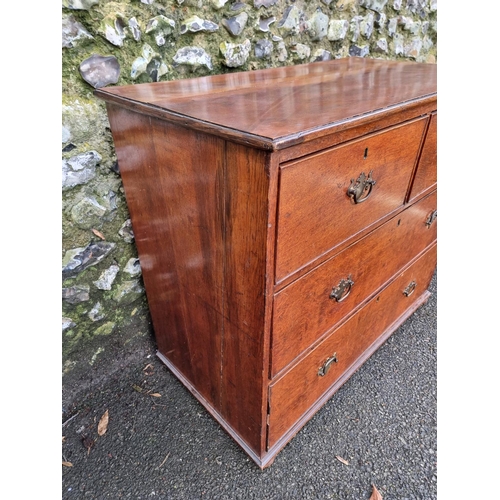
<point>315,211</point>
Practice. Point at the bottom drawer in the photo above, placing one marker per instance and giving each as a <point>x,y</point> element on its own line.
<point>292,396</point>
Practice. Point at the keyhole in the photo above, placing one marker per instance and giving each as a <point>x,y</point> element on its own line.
<point>366,153</point>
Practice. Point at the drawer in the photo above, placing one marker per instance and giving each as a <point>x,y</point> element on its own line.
<point>305,309</point>
<point>316,213</point>
<point>292,396</point>
<point>426,175</point>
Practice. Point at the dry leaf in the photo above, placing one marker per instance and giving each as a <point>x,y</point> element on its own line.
<point>88,443</point>
<point>343,460</point>
<point>156,395</point>
<point>148,367</point>
<point>103,424</point>
<point>137,388</point>
<point>375,494</point>
<point>67,464</point>
<point>98,233</point>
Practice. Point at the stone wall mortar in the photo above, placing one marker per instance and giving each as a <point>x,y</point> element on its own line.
<point>122,42</point>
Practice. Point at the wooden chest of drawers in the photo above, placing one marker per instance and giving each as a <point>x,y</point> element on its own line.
<point>285,224</point>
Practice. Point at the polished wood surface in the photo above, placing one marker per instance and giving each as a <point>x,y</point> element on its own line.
<point>304,311</point>
<point>289,102</point>
<point>426,175</point>
<point>315,212</point>
<point>293,394</point>
<point>236,186</point>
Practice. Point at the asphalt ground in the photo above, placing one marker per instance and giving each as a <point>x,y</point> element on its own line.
<point>379,429</point>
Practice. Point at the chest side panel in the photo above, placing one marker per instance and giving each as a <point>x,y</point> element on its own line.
<point>172,181</point>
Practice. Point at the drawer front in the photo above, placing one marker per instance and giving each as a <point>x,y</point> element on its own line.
<point>426,174</point>
<point>295,393</point>
<point>314,303</point>
<point>316,212</point>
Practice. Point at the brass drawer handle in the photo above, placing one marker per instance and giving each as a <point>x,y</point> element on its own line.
<point>410,289</point>
<point>361,188</point>
<point>431,218</point>
<point>342,290</point>
<point>326,365</point>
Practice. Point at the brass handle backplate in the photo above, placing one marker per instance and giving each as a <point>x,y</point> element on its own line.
<point>361,188</point>
<point>410,289</point>
<point>432,217</point>
<point>342,290</point>
<point>326,365</point>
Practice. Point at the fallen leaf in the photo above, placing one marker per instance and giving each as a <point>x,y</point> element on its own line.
<point>375,494</point>
<point>148,369</point>
<point>343,460</point>
<point>88,443</point>
<point>103,424</point>
<point>137,388</point>
<point>156,395</point>
<point>98,233</point>
<point>67,464</point>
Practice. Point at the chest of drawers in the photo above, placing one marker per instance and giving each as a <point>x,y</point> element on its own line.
<point>285,221</point>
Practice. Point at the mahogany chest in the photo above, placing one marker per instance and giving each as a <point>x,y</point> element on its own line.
<point>285,221</point>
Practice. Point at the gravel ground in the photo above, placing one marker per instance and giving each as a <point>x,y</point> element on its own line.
<point>382,422</point>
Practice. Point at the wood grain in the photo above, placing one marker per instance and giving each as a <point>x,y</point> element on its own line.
<point>292,395</point>
<point>304,311</point>
<point>315,213</point>
<point>279,107</point>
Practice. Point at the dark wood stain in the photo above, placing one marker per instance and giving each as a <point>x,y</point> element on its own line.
<point>236,187</point>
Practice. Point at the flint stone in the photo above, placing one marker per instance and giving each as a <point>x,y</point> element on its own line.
<point>67,323</point>
<point>238,6</point>
<point>135,28</point>
<point>263,3</point>
<point>235,55</point>
<point>218,4</point>
<point>337,29</point>
<point>128,292</point>
<point>87,213</point>
<point>195,24</point>
<point>133,267</point>
<point>376,5</point>
<point>72,32</point>
<point>162,26</point>
<point>282,52</point>
<point>366,25</point>
<point>289,23</point>
<point>356,51</point>
<point>100,71</point>
<point>413,48</point>
<point>96,313</point>
<point>321,55</point>
<point>264,23</point>
<point>381,46</point>
<point>398,44</point>
<point>114,30</point>
<point>236,24</point>
<point>126,231</point>
<point>77,260</point>
<point>317,26</point>
<point>107,277</point>
<point>263,49</point>
<point>79,4</point>
<point>302,51</point>
<point>396,4</point>
<point>194,57</point>
<point>76,294</point>
<point>79,169</point>
<point>66,134</point>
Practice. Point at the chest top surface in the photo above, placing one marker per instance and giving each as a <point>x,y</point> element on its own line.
<point>277,104</point>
